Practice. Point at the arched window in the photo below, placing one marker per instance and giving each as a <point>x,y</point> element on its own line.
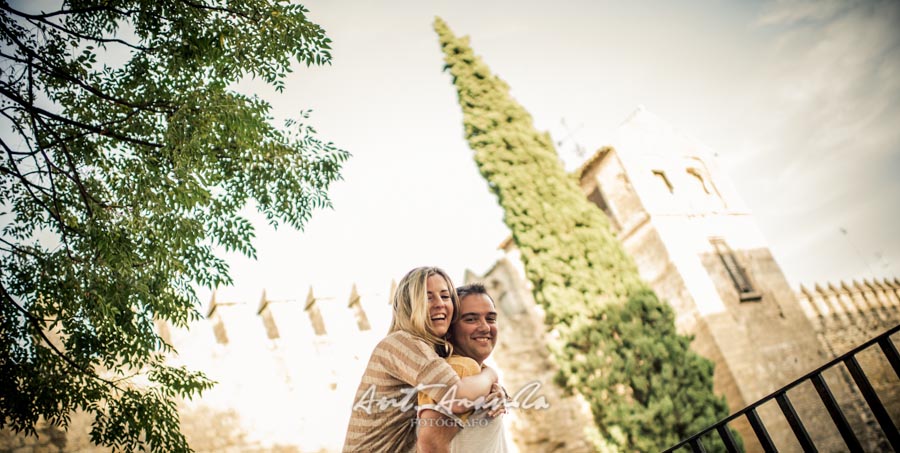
<point>700,179</point>
<point>661,175</point>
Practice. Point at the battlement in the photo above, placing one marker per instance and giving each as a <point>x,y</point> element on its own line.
<point>318,318</point>
<point>845,315</point>
<point>313,319</point>
<point>278,363</point>
<point>844,301</point>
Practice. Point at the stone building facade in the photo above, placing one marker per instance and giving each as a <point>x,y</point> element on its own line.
<point>698,246</point>
<point>287,369</point>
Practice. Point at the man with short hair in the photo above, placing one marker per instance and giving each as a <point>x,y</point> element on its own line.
<point>473,336</point>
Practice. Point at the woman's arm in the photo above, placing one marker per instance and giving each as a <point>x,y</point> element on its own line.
<point>435,432</point>
<point>471,388</point>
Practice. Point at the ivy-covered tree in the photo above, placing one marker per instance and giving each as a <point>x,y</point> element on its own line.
<point>126,159</point>
<point>617,344</point>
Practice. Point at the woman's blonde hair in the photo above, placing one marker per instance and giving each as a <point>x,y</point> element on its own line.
<point>410,304</point>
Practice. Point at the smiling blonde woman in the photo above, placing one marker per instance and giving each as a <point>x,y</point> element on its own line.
<point>382,419</point>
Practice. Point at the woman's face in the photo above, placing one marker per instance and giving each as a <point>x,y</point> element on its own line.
<point>440,305</point>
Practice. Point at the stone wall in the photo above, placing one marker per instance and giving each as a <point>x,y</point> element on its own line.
<point>767,343</point>
<point>845,316</point>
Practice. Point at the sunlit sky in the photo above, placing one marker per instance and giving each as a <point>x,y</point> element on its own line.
<point>800,100</point>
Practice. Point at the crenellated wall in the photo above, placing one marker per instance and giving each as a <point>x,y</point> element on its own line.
<point>287,370</point>
<point>845,315</point>
<point>852,308</point>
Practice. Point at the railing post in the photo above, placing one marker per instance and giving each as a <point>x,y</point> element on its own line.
<point>878,410</point>
<point>796,424</point>
<point>760,429</point>
<point>727,438</point>
<point>890,351</point>
<point>697,445</point>
<point>834,410</point>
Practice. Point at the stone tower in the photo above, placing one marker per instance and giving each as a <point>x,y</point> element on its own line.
<point>698,246</point>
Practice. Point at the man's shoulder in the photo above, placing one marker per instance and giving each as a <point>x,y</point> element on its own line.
<point>462,360</point>
<point>464,366</point>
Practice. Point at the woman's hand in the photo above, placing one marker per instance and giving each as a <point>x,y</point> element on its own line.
<point>496,400</point>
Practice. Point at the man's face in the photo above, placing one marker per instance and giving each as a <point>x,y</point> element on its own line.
<point>475,334</point>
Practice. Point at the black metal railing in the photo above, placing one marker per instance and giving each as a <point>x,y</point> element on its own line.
<point>818,381</point>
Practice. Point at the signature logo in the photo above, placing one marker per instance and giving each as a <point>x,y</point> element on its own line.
<point>526,398</point>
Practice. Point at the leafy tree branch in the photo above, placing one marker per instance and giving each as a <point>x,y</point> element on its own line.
<point>118,182</point>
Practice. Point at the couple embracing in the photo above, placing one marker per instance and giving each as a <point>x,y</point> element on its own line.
<point>436,346</point>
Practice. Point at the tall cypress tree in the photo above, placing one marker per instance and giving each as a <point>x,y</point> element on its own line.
<point>617,344</point>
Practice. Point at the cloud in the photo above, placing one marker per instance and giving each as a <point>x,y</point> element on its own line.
<point>789,12</point>
<point>836,80</point>
<point>826,155</point>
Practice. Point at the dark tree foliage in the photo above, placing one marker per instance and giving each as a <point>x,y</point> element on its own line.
<point>617,344</point>
<point>125,162</point>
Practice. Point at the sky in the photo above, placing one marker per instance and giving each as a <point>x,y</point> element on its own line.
<point>799,100</point>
